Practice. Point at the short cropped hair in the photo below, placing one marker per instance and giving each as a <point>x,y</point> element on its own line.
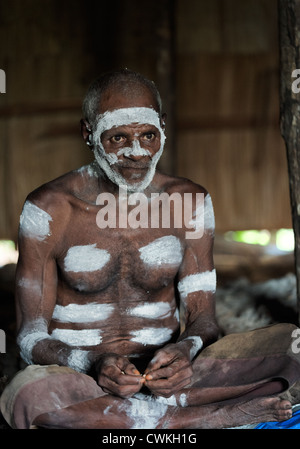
<point>124,80</point>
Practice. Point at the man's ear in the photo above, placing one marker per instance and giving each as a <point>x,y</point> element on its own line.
<point>163,120</point>
<point>86,131</point>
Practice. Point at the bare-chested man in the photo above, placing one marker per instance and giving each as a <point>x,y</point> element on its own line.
<point>98,307</point>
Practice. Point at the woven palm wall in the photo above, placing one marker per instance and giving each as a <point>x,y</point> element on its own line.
<point>216,63</point>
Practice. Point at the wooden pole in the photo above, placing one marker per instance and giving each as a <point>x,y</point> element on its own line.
<point>289,26</point>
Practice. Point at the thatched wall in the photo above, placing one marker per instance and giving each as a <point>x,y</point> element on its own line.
<point>228,110</point>
<point>223,56</point>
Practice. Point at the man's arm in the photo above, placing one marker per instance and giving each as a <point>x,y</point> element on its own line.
<point>40,241</point>
<point>170,369</point>
<point>197,286</point>
<point>40,235</point>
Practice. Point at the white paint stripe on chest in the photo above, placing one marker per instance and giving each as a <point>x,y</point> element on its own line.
<point>82,313</point>
<point>85,258</point>
<point>34,222</point>
<point>151,335</point>
<point>205,281</point>
<point>151,310</point>
<point>81,337</point>
<point>162,251</point>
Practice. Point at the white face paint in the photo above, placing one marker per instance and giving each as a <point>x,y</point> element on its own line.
<point>122,117</point>
<point>135,150</point>
<point>163,251</point>
<point>82,313</point>
<point>34,222</point>
<point>79,360</point>
<point>82,337</point>
<point>152,335</point>
<point>85,258</point>
<point>151,310</point>
<point>205,281</point>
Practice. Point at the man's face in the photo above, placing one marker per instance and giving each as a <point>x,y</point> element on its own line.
<point>128,140</point>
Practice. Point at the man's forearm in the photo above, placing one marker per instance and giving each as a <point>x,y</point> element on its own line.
<point>199,334</point>
<point>49,351</point>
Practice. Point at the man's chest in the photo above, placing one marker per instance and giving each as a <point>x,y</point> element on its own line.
<point>94,259</point>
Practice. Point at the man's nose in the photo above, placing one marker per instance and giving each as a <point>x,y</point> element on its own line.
<point>136,152</point>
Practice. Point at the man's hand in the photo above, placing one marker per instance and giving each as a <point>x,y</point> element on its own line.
<point>169,371</point>
<point>117,376</point>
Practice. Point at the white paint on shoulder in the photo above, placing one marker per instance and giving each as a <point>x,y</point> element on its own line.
<point>86,258</point>
<point>89,169</point>
<point>79,360</point>
<point>82,313</point>
<point>34,222</point>
<point>209,216</point>
<point>205,281</point>
<point>152,310</point>
<point>81,337</point>
<point>165,250</point>
<point>151,335</point>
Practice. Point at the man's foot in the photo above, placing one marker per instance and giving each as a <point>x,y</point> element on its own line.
<point>292,394</point>
<point>257,410</point>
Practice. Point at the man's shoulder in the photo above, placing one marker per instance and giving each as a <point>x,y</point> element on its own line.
<point>176,184</point>
<point>55,195</point>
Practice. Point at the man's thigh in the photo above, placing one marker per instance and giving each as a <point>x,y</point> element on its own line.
<point>43,388</point>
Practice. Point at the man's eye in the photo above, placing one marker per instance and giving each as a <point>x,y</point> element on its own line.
<point>148,137</point>
<point>117,139</point>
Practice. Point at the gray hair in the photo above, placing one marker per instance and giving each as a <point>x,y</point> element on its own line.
<point>126,81</point>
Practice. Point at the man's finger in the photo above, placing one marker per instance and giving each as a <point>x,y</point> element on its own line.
<point>161,359</point>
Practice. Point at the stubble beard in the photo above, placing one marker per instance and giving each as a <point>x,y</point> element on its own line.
<point>117,179</point>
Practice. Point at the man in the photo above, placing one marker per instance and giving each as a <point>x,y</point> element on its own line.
<point>98,306</point>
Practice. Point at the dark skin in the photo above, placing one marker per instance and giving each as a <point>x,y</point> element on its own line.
<point>123,365</point>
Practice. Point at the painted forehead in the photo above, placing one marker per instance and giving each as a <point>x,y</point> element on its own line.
<point>126,116</point>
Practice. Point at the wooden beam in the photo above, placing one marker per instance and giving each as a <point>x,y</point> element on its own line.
<point>289,21</point>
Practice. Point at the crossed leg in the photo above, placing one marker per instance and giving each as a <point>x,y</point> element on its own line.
<point>113,413</point>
